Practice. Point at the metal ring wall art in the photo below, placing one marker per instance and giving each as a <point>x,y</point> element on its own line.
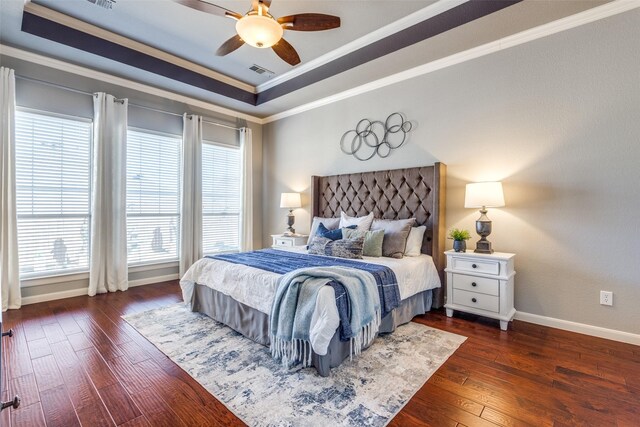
<point>375,137</point>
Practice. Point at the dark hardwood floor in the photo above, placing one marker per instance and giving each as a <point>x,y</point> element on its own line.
<point>76,362</point>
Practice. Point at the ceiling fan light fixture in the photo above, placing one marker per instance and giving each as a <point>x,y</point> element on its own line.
<point>261,31</point>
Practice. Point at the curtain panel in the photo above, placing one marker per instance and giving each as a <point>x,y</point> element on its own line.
<point>246,212</point>
<point>9,265</point>
<point>108,265</point>
<point>191,197</point>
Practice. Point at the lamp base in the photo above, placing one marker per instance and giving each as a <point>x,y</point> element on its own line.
<point>290,221</point>
<point>483,246</point>
<point>483,228</point>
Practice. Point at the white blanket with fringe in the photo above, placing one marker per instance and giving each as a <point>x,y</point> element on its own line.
<point>295,302</point>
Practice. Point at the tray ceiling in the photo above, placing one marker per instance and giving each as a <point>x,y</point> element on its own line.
<point>416,32</point>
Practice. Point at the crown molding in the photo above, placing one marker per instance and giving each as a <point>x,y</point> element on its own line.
<point>130,84</point>
<point>600,12</point>
<point>68,21</point>
<point>392,28</point>
<point>597,13</point>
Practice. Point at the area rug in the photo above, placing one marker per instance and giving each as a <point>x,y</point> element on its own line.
<point>369,390</point>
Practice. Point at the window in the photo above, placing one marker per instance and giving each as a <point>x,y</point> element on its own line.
<point>220,198</point>
<point>153,197</point>
<point>53,192</point>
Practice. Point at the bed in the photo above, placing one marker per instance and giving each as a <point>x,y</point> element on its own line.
<point>240,296</point>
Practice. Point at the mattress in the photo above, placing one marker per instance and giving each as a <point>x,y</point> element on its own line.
<point>256,288</point>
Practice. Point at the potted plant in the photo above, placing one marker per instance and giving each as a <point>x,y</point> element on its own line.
<point>460,238</point>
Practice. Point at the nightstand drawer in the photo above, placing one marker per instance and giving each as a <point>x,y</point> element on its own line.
<point>284,242</point>
<point>476,265</point>
<point>476,300</point>
<point>476,284</point>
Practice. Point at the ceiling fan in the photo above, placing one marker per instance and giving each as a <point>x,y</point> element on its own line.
<point>260,29</point>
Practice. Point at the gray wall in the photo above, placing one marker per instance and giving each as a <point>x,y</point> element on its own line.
<point>48,98</point>
<point>557,120</point>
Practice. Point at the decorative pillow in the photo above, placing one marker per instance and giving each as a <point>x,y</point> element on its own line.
<point>395,235</point>
<point>372,240</point>
<point>331,234</point>
<point>363,222</point>
<point>344,248</point>
<point>330,223</point>
<point>414,241</point>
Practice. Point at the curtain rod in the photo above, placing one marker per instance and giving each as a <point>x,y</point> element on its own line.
<point>144,107</point>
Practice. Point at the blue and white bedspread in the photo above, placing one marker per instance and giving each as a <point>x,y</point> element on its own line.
<point>356,285</point>
<point>256,287</point>
<point>283,262</point>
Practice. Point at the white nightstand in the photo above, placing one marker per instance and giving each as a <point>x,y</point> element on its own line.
<point>481,284</point>
<point>282,241</point>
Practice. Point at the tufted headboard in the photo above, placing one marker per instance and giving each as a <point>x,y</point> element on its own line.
<point>391,194</point>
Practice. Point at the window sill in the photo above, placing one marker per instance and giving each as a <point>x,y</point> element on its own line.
<point>71,277</point>
<point>49,280</point>
<point>134,268</point>
<point>231,251</point>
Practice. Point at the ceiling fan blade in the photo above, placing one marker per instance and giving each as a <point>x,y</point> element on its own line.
<point>230,45</point>
<point>207,7</point>
<point>309,22</point>
<point>266,3</point>
<point>286,52</point>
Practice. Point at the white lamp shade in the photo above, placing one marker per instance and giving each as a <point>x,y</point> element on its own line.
<point>290,200</point>
<point>487,194</point>
<point>259,30</point>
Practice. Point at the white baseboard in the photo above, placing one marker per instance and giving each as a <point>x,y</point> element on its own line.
<point>52,296</point>
<point>581,328</point>
<point>152,280</point>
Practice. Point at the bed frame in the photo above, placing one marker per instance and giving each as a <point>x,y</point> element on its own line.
<point>391,194</point>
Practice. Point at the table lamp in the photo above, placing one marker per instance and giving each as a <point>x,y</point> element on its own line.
<point>290,201</point>
<point>483,195</point>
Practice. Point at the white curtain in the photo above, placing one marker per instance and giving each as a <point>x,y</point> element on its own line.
<point>108,268</point>
<point>246,213</point>
<point>9,266</point>
<point>191,197</point>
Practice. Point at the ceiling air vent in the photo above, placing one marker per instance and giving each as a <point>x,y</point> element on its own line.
<point>261,70</point>
<point>106,4</point>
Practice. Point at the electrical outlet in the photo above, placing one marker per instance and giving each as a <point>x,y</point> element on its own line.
<point>606,298</point>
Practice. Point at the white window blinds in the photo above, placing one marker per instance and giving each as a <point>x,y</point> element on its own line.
<point>221,196</point>
<point>153,197</point>
<point>53,189</point>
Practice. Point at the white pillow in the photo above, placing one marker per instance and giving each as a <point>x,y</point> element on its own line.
<point>330,223</point>
<point>414,241</point>
<point>363,223</point>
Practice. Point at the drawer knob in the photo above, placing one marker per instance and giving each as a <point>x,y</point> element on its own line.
<point>9,333</point>
<point>474,266</point>
<point>474,284</point>
<point>10,404</point>
<point>474,300</point>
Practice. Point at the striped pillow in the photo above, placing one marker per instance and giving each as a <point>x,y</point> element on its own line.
<point>343,248</point>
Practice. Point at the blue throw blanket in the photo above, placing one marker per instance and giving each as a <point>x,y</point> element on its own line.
<point>295,301</point>
<point>342,303</point>
<point>283,262</point>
